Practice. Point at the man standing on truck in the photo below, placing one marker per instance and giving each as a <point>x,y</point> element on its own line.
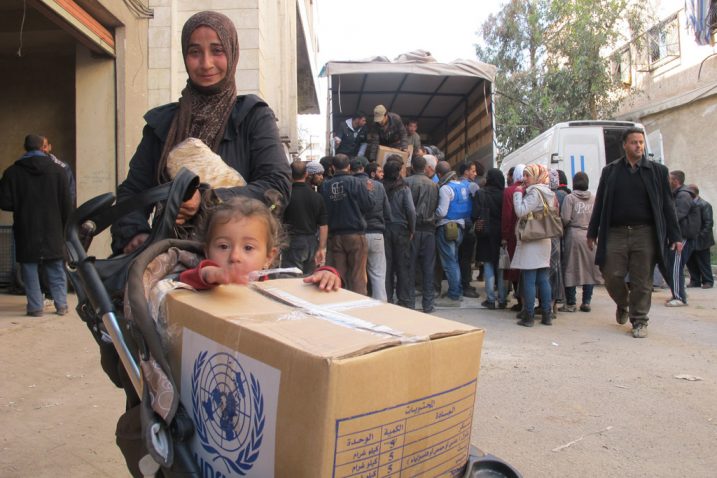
<point>414,139</point>
<point>351,134</point>
<point>387,130</point>
<point>633,217</point>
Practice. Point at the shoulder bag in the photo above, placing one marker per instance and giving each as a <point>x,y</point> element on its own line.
<point>542,224</point>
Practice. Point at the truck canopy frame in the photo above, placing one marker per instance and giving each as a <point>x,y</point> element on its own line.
<point>452,102</point>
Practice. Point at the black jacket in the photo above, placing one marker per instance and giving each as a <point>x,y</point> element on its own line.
<point>706,238</point>
<point>37,192</point>
<point>351,139</point>
<point>251,145</point>
<point>489,199</point>
<point>380,213</point>
<point>655,178</point>
<point>425,200</point>
<point>347,201</point>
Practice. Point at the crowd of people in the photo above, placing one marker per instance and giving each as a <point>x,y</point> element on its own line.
<point>397,230</point>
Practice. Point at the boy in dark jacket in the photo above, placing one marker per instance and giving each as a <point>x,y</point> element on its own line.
<point>37,192</point>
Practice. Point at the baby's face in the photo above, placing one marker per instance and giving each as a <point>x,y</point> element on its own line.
<point>240,247</point>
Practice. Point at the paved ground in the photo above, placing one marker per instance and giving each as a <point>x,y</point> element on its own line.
<point>579,398</point>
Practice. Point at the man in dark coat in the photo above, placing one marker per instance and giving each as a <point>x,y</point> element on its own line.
<point>632,221</point>
<point>700,264</point>
<point>37,192</point>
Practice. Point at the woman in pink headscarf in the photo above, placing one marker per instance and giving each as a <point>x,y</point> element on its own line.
<point>533,257</point>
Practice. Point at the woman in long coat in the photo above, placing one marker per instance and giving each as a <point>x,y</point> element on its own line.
<point>579,261</point>
<point>489,201</point>
<point>533,257</point>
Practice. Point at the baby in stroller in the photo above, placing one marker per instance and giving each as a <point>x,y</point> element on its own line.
<point>240,237</point>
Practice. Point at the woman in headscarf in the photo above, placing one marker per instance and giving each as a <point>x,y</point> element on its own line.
<point>533,257</point>
<point>488,208</point>
<point>580,268</point>
<point>242,130</point>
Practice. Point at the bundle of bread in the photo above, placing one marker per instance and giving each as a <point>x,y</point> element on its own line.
<point>196,156</point>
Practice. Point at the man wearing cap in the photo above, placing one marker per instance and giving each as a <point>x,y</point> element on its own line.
<point>315,174</point>
<point>376,219</point>
<point>351,133</point>
<point>303,217</point>
<point>387,130</point>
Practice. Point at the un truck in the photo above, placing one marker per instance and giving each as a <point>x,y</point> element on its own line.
<point>452,102</point>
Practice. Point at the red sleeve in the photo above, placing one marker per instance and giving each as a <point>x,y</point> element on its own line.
<point>193,277</point>
<point>507,215</point>
<point>332,270</point>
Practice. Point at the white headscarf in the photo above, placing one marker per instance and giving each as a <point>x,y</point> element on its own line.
<point>518,172</point>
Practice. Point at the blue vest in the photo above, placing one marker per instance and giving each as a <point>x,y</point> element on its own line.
<point>460,206</point>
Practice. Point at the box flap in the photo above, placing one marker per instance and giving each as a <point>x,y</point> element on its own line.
<point>332,325</point>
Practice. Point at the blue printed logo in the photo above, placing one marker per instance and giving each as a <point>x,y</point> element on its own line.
<point>228,410</point>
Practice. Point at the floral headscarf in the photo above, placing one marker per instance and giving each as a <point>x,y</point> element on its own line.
<point>537,171</point>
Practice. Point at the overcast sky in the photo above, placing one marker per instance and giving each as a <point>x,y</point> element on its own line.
<point>358,29</point>
<point>352,30</point>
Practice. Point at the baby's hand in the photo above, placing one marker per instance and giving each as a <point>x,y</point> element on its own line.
<point>214,275</point>
<point>325,280</point>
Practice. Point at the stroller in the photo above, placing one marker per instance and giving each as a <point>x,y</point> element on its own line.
<point>153,434</point>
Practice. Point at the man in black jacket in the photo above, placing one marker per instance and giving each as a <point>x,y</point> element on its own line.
<point>347,201</point>
<point>632,221</point>
<point>350,135</point>
<point>700,264</point>
<point>37,192</point>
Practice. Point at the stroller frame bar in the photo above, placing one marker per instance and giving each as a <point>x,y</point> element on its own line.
<point>130,364</point>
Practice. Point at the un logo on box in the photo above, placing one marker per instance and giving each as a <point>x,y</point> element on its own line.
<point>228,410</point>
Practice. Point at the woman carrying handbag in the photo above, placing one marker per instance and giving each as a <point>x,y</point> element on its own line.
<point>532,257</point>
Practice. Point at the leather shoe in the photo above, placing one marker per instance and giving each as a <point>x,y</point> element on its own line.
<point>707,286</point>
<point>471,293</point>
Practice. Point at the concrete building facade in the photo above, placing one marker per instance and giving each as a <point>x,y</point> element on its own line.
<point>675,79</point>
<point>84,73</point>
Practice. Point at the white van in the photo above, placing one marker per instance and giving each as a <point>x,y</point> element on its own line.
<point>575,146</point>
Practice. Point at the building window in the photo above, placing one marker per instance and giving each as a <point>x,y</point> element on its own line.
<point>622,66</point>
<point>663,42</point>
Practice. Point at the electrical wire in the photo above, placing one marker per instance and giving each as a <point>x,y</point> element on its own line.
<point>22,26</point>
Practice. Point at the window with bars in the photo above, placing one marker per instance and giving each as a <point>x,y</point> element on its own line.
<point>663,42</point>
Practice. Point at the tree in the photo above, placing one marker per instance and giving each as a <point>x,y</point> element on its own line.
<point>551,63</point>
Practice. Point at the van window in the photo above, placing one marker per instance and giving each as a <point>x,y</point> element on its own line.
<point>613,144</point>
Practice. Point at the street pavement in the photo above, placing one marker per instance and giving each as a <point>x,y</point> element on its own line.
<point>581,397</point>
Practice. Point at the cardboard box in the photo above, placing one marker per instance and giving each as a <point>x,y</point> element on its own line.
<point>384,152</point>
<point>284,380</point>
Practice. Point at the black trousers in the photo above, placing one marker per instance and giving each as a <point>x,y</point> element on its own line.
<point>700,268</point>
<point>398,265</point>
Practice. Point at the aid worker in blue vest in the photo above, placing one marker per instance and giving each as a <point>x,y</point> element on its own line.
<point>454,205</point>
